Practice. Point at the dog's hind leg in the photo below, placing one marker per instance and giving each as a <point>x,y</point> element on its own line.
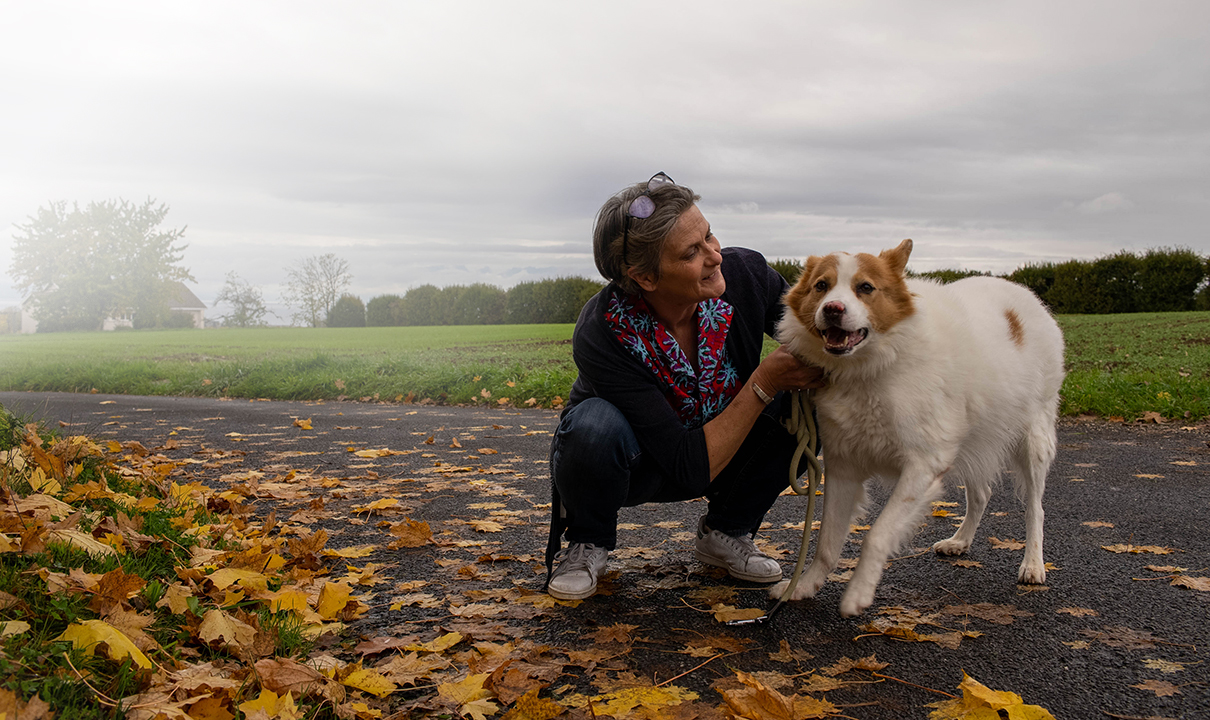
<point>917,487</point>
<point>978,492</point>
<point>1032,464</point>
<point>842,501</point>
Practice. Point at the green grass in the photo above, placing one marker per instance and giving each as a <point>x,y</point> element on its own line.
<point>1118,365</point>
<point>1126,365</point>
<point>447,364</point>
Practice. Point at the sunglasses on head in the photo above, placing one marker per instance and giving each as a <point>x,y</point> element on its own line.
<point>642,207</point>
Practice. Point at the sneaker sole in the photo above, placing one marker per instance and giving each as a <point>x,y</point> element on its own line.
<point>571,596</point>
<point>716,562</point>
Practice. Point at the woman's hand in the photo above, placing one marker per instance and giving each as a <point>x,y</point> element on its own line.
<point>782,371</point>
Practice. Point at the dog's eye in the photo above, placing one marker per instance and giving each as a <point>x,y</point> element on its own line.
<point>865,288</point>
<point>821,286</point>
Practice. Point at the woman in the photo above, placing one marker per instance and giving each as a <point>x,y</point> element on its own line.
<point>672,401</point>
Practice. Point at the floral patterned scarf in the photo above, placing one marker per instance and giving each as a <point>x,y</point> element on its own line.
<point>695,397</point>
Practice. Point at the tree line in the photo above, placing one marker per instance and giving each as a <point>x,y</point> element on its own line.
<point>540,301</point>
<point>1156,280</point>
<point>78,267</point>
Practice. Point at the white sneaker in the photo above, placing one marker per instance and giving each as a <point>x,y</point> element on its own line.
<point>737,555</point>
<point>576,576</point>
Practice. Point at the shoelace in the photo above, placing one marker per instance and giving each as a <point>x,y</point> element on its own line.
<point>742,543</point>
<point>575,557</point>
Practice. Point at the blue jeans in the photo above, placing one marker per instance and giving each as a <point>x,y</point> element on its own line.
<point>597,467</point>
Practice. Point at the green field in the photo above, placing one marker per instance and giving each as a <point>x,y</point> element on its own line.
<point>1118,365</point>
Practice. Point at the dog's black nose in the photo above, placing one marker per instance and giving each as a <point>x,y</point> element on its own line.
<point>833,309</point>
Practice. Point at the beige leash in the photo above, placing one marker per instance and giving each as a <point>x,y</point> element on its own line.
<point>801,424</point>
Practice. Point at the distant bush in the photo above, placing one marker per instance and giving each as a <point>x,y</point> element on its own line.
<point>549,301</point>
<point>347,311</point>
<point>947,276</point>
<point>383,311</point>
<point>788,269</point>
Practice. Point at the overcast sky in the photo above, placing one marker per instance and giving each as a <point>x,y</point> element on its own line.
<point>459,142</point>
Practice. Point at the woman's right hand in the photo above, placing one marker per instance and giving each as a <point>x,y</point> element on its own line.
<point>782,371</point>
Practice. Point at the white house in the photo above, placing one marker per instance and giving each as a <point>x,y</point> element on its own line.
<point>183,301</point>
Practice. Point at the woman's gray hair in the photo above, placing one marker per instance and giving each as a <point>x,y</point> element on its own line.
<point>644,243</point>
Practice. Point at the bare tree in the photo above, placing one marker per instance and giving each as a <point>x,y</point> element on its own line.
<point>246,301</point>
<point>314,285</point>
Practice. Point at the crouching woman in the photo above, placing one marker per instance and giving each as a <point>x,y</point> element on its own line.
<point>673,400</point>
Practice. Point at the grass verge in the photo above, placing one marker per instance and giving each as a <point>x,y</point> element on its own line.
<point>124,593</point>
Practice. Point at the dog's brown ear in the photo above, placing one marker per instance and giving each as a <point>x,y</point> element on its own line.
<point>808,269</point>
<point>898,257</point>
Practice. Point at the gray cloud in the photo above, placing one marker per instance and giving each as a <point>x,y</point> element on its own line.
<point>474,142</point>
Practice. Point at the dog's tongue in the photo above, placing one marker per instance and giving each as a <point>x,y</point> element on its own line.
<point>836,338</point>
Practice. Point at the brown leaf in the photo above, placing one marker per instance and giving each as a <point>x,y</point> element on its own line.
<point>1193,583</point>
<point>618,632</point>
<point>410,534</point>
<point>846,664</point>
<point>1161,688</point>
<point>1078,612</point>
<point>12,707</point>
<point>1009,544</point>
<point>1120,636</point>
<point>1097,524</point>
<point>1136,549</point>
<point>282,675</point>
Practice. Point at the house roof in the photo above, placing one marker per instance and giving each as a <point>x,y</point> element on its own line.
<point>185,299</point>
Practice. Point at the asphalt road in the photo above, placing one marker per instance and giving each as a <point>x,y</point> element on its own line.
<point>1103,624</point>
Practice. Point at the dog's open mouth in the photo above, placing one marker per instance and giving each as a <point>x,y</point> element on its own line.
<point>838,341</point>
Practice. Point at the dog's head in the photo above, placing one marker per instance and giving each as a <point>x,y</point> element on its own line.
<point>843,300</point>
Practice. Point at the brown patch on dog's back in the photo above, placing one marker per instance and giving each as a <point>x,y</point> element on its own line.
<point>802,298</point>
<point>1015,329</point>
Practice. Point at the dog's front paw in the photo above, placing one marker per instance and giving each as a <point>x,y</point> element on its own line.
<point>950,546</point>
<point>855,601</point>
<point>805,589</point>
<point>1032,573</point>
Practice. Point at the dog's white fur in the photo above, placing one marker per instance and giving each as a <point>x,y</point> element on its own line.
<point>948,383</point>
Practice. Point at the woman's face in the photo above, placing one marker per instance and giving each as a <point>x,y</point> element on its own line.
<point>690,266</point>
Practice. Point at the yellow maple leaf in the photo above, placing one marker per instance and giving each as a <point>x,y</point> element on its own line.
<point>80,540</point>
<point>356,551</point>
<point>370,681</point>
<point>291,599</point>
<point>531,707</point>
<point>218,626</point>
<point>272,706</point>
<point>979,701</point>
<point>470,696</point>
<point>620,703</point>
<point>89,634</point>
<point>441,644</point>
<point>332,599</point>
<point>247,579</point>
<point>304,424</point>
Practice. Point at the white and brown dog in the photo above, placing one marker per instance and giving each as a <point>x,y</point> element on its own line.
<point>928,384</point>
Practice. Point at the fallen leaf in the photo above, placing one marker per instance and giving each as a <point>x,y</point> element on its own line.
<point>304,424</point>
<point>1163,666</point>
<point>1126,548</point>
<point>979,701</point>
<point>1009,544</point>
<point>1078,612</point>
<point>1097,523</point>
<point>90,634</point>
<point>1161,688</point>
<point>1201,584</point>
